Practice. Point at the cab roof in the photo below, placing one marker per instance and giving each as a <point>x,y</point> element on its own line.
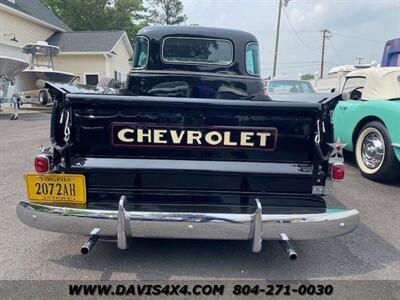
<point>239,39</point>
<point>158,32</point>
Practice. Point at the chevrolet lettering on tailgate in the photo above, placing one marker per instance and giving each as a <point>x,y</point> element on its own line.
<point>135,135</point>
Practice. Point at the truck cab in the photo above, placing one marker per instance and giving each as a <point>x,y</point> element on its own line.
<point>196,62</point>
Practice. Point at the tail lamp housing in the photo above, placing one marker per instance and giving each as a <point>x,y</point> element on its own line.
<point>42,163</point>
<point>338,171</point>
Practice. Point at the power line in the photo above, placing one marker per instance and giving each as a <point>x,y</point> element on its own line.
<point>332,45</point>
<point>336,52</point>
<point>304,1</point>
<point>299,68</point>
<point>347,2</point>
<point>286,31</point>
<point>331,63</point>
<point>295,31</point>
<point>357,38</point>
<point>294,63</point>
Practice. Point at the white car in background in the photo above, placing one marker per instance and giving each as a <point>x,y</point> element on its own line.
<point>285,86</point>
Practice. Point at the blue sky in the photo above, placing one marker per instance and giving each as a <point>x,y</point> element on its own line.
<point>359,29</point>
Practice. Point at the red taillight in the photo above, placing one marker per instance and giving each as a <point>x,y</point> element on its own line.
<point>337,172</point>
<point>42,164</point>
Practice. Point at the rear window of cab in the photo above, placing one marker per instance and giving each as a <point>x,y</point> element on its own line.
<point>186,50</point>
<point>202,51</point>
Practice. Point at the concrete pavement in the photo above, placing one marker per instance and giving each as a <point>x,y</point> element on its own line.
<point>370,252</point>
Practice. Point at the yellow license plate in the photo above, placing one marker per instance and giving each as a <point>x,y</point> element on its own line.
<point>63,188</point>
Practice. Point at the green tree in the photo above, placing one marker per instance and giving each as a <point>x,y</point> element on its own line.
<point>127,15</point>
<point>307,77</point>
<point>166,12</point>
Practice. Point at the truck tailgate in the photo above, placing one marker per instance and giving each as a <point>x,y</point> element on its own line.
<point>194,144</point>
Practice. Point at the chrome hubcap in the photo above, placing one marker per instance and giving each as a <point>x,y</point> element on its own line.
<point>373,150</point>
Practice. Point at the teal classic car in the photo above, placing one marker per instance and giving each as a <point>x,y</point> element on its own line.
<point>367,119</point>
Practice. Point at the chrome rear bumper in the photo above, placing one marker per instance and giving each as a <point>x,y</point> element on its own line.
<point>122,224</point>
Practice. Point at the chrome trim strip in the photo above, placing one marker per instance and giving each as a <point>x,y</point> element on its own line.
<point>326,189</point>
<point>171,101</point>
<point>333,222</point>
<point>191,165</point>
<point>257,228</point>
<point>194,74</point>
<point>396,145</point>
<point>318,190</point>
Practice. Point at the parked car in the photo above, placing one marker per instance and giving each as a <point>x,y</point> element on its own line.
<point>191,149</point>
<point>289,87</point>
<point>367,119</point>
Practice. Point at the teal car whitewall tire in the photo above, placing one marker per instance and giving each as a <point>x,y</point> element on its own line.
<point>374,153</point>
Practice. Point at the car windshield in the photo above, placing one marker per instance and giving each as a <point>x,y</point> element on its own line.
<point>290,86</point>
<point>197,51</point>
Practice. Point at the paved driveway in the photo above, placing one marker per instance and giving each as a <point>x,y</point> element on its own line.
<point>370,252</point>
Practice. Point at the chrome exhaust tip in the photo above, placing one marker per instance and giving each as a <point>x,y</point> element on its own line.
<point>292,255</point>
<point>89,244</point>
<point>287,246</point>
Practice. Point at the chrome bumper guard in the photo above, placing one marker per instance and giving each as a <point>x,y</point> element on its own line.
<point>255,227</point>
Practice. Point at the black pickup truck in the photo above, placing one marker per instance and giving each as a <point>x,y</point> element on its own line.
<point>191,149</point>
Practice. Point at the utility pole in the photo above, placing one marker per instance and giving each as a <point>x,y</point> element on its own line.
<point>359,59</point>
<point>278,25</point>
<point>326,34</point>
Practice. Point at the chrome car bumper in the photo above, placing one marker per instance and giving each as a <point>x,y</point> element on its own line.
<point>122,224</point>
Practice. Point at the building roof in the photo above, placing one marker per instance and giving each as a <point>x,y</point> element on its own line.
<point>343,68</point>
<point>87,41</point>
<point>37,10</point>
